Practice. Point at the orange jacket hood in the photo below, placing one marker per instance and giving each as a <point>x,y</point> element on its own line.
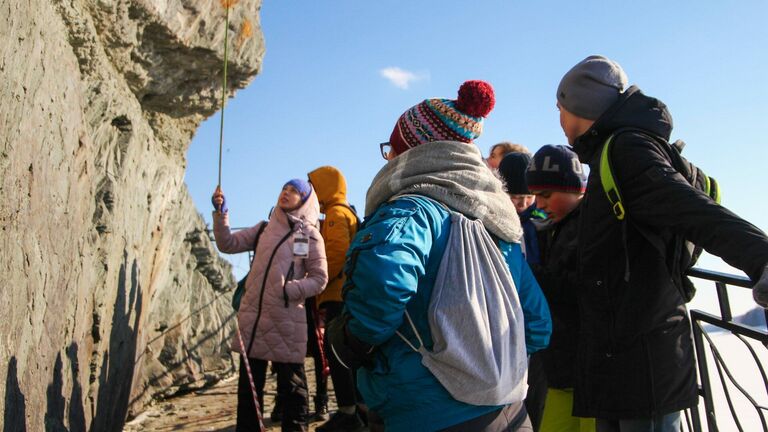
<point>330,186</point>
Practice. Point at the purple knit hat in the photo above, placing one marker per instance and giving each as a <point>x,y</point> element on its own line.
<point>303,187</point>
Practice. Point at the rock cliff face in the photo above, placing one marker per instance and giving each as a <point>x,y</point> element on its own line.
<point>110,291</point>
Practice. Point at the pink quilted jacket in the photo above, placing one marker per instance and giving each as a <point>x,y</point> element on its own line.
<point>272,319</point>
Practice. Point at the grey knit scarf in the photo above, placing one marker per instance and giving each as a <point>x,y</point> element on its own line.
<point>454,174</point>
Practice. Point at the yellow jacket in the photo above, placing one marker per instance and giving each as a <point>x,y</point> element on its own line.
<point>338,228</point>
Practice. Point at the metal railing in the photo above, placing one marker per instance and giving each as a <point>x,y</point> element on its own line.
<point>704,343</point>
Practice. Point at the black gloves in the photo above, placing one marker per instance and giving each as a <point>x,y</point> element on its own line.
<point>350,351</point>
<point>760,290</point>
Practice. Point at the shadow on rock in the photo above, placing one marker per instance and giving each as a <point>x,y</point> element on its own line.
<point>119,362</point>
<point>76,410</point>
<point>15,412</point>
<point>55,403</point>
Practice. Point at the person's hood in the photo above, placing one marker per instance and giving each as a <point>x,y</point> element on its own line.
<point>330,185</point>
<point>308,213</point>
<point>634,109</point>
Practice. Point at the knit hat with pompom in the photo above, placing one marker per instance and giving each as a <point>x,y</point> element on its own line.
<point>445,119</point>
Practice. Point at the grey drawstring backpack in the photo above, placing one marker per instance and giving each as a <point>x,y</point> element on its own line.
<point>476,321</point>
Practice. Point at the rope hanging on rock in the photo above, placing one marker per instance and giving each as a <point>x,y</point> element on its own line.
<point>227,4</point>
<point>245,31</point>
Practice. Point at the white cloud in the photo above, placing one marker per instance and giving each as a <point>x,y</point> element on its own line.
<point>401,78</point>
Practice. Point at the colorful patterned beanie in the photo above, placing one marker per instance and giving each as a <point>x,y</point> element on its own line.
<point>444,119</point>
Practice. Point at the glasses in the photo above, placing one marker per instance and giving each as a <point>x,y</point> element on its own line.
<point>385,147</point>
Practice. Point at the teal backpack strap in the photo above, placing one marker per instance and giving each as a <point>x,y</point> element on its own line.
<point>609,181</point>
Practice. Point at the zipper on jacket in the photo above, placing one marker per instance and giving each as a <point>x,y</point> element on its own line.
<point>651,374</point>
<point>288,277</point>
<point>263,286</point>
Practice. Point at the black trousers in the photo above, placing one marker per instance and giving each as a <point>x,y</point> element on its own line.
<point>291,388</point>
<point>344,383</point>
<point>537,390</point>
<point>313,348</point>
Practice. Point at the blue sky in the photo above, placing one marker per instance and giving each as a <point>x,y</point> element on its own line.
<point>328,92</point>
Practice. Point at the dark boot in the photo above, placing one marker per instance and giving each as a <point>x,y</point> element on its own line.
<point>341,422</point>
<point>277,412</point>
<point>321,408</point>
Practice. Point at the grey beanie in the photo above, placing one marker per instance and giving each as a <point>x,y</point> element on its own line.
<point>590,87</point>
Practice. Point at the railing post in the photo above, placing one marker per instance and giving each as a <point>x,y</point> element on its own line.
<point>706,386</point>
<point>702,342</point>
<point>725,303</point>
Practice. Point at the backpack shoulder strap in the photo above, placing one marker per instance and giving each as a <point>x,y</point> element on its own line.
<point>610,187</point>
<point>612,192</point>
<point>357,218</point>
<point>258,236</point>
<point>608,179</point>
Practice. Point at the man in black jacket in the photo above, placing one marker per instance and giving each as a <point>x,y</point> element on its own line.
<point>635,362</point>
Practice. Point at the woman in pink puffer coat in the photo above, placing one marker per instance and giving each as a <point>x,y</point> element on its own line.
<point>289,265</point>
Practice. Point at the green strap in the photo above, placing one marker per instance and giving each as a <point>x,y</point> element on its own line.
<point>713,189</point>
<point>609,182</point>
<point>708,186</point>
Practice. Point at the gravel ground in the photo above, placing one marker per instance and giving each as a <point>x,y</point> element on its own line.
<point>213,409</point>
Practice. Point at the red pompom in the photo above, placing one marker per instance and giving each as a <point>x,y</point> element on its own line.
<point>476,98</point>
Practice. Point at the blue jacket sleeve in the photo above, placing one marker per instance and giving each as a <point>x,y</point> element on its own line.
<point>384,263</point>
<point>538,322</point>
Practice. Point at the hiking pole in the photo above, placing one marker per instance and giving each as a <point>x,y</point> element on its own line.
<point>250,376</point>
<point>319,335</point>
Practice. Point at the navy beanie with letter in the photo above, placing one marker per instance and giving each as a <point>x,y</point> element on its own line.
<point>556,169</point>
<point>512,169</point>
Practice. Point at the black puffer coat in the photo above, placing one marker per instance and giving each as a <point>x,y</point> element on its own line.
<point>635,355</point>
<point>558,277</point>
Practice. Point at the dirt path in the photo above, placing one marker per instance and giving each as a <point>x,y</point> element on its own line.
<point>213,409</point>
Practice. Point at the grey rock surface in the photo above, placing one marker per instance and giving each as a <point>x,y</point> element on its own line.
<point>111,294</point>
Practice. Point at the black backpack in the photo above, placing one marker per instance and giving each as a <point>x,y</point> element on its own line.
<point>684,253</point>
<point>352,209</point>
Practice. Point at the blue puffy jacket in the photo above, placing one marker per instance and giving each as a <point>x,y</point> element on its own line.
<point>391,266</point>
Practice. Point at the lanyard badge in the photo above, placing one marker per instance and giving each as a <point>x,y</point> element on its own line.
<point>300,245</point>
